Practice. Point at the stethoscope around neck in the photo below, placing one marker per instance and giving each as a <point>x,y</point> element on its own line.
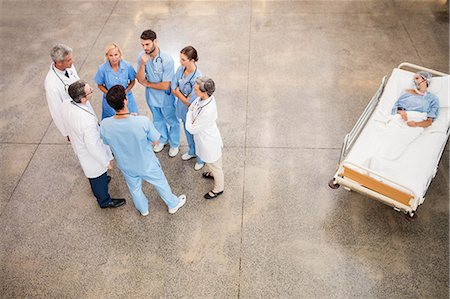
<point>155,62</point>
<point>87,111</point>
<point>188,82</point>
<point>199,109</point>
<point>66,86</point>
<point>158,57</point>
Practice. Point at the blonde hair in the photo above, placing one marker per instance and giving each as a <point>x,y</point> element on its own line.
<point>111,46</point>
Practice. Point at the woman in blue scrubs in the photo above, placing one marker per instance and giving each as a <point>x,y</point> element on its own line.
<point>115,71</point>
<point>183,88</point>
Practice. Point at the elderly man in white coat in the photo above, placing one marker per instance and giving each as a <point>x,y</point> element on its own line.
<point>62,73</point>
<point>201,122</point>
<point>82,127</point>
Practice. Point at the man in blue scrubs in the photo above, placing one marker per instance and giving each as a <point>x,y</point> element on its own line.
<point>130,137</point>
<point>155,72</point>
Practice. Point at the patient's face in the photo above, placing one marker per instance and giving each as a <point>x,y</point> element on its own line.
<point>419,80</point>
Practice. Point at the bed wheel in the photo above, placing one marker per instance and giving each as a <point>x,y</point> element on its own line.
<point>411,216</point>
<point>333,185</point>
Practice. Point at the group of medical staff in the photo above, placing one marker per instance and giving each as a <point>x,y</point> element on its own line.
<point>184,96</point>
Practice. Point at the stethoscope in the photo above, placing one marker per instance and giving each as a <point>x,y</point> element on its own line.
<point>66,86</point>
<point>199,109</point>
<point>186,91</point>
<point>155,62</point>
<point>95,116</point>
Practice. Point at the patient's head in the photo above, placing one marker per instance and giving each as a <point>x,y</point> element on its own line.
<point>422,77</point>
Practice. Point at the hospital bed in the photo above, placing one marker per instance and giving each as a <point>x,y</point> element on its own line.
<point>403,184</point>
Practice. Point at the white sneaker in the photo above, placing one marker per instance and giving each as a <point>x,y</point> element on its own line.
<point>159,147</point>
<point>186,156</point>
<point>173,151</point>
<point>182,198</point>
<point>198,166</point>
<point>145,214</point>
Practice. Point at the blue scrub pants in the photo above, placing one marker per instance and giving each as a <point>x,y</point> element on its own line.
<point>99,186</point>
<point>155,177</point>
<point>167,124</point>
<point>190,139</point>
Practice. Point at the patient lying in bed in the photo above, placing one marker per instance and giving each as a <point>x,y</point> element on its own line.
<point>418,100</point>
<point>414,110</point>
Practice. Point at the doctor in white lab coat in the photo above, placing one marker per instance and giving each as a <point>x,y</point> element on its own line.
<point>62,73</point>
<point>81,125</point>
<point>201,122</point>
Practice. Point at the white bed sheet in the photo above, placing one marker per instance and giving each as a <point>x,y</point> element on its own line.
<point>418,163</point>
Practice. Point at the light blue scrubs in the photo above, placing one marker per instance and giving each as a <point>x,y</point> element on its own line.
<point>162,102</point>
<point>428,103</point>
<point>107,77</point>
<point>186,84</point>
<point>129,139</point>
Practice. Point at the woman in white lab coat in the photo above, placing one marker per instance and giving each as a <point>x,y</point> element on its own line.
<point>201,122</point>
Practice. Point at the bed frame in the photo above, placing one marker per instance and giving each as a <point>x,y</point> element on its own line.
<point>369,182</point>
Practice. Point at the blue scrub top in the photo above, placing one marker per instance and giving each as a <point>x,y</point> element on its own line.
<point>129,139</point>
<point>428,103</point>
<point>186,84</point>
<point>158,70</point>
<point>107,77</point>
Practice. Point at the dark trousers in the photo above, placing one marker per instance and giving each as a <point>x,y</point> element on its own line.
<point>99,186</point>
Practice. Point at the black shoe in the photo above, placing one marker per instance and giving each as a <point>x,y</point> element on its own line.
<point>115,203</point>
<point>214,194</point>
<point>109,178</point>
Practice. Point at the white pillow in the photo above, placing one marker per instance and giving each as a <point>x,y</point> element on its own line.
<point>440,87</point>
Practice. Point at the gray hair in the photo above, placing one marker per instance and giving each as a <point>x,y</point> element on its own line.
<point>206,84</point>
<point>59,52</point>
<point>76,90</point>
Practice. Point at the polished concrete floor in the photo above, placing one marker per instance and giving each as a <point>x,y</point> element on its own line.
<point>292,78</point>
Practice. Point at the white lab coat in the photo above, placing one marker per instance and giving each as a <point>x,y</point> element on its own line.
<point>201,122</point>
<point>84,133</point>
<point>56,92</point>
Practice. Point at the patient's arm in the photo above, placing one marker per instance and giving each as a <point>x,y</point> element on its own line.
<point>403,114</point>
<point>423,124</point>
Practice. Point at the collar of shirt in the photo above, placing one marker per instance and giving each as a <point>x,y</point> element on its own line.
<point>62,74</point>
<point>109,68</point>
<point>202,103</point>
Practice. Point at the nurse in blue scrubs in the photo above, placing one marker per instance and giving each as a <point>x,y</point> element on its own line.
<point>183,88</point>
<point>115,71</point>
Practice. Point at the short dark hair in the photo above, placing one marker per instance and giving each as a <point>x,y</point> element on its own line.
<point>76,90</point>
<point>190,53</point>
<point>116,97</point>
<point>148,34</point>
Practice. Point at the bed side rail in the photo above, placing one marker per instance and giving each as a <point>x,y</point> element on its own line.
<point>351,137</point>
<point>437,163</point>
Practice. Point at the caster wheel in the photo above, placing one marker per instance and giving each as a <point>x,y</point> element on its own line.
<point>333,185</point>
<point>411,218</point>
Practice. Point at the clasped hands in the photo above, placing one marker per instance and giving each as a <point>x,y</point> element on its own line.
<point>404,116</point>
